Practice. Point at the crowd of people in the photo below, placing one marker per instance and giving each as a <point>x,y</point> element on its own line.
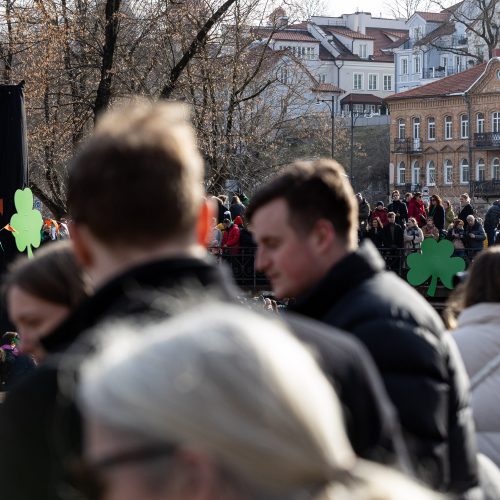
<point>152,380</point>
<point>405,224</point>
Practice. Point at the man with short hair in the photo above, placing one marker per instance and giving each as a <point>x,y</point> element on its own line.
<point>474,235</point>
<point>304,222</point>
<point>141,241</point>
<point>399,208</point>
<point>491,220</point>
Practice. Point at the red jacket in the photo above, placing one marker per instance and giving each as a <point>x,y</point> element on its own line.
<point>381,214</point>
<point>416,209</point>
<point>231,240</point>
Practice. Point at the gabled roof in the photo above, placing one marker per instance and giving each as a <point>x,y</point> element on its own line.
<point>434,17</point>
<point>383,41</point>
<point>361,99</point>
<point>327,87</point>
<point>454,84</point>
<point>324,55</point>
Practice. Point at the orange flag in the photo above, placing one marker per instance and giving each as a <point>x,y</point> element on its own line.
<point>9,228</point>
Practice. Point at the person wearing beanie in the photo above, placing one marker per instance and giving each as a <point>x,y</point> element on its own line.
<point>379,213</point>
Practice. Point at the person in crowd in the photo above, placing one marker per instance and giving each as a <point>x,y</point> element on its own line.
<point>449,214</point>
<point>41,292</point>
<point>477,336</point>
<point>304,222</point>
<point>237,208</point>
<point>437,212</point>
<point>375,233</point>
<point>399,208</point>
<point>221,208</point>
<point>416,209</point>
<point>148,153</point>
<point>456,235</point>
<point>466,209</point>
<point>408,197</point>
<point>491,220</point>
<point>430,230</point>
<point>224,419</point>
<point>14,365</point>
<point>412,236</point>
<point>392,233</point>
<point>230,238</point>
<point>216,239</point>
<point>379,213</point>
<point>363,212</point>
<point>474,235</point>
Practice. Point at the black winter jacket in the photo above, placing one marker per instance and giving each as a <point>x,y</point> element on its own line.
<point>492,217</point>
<point>420,366</point>
<point>401,210</point>
<point>35,430</point>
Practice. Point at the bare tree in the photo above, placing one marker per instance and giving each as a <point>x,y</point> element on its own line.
<point>404,9</point>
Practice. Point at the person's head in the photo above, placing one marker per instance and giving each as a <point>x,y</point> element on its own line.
<point>446,204</point>
<point>412,222</point>
<point>430,222</point>
<point>408,197</point>
<point>304,221</point>
<point>436,200</point>
<point>483,280</point>
<point>359,197</point>
<point>135,188</point>
<point>375,223</point>
<point>464,199</point>
<point>458,223</point>
<point>471,220</point>
<point>227,418</point>
<point>223,198</point>
<point>391,217</point>
<point>379,205</point>
<point>417,195</point>
<point>235,200</point>
<point>10,338</point>
<point>227,223</point>
<point>41,292</point>
<point>396,195</point>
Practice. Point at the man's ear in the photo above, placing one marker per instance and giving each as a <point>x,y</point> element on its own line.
<point>324,235</point>
<point>204,223</point>
<point>81,246</point>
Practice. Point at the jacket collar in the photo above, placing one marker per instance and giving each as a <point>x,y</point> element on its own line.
<point>344,276</point>
<point>133,291</point>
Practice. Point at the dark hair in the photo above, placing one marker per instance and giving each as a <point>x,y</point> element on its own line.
<point>138,180</point>
<point>53,275</point>
<point>313,190</point>
<point>483,280</point>
<point>9,337</point>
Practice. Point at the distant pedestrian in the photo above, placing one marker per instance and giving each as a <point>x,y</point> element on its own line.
<point>399,208</point>
<point>491,220</point>
<point>466,209</point>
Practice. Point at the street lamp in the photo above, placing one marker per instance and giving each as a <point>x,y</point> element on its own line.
<point>331,107</point>
<point>354,119</point>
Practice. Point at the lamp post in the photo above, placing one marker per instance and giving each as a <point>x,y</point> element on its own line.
<point>331,106</point>
<point>354,119</point>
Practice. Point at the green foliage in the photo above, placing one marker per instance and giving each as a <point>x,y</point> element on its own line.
<point>434,262</point>
<point>27,222</point>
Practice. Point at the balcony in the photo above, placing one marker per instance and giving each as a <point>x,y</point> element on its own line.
<point>487,140</point>
<point>486,189</point>
<point>408,145</point>
<point>439,72</point>
<point>458,40</point>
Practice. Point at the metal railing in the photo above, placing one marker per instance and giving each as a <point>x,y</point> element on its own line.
<point>487,140</point>
<point>439,72</point>
<point>408,145</point>
<point>486,189</point>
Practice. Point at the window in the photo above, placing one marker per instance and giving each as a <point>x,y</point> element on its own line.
<point>401,128</point>
<point>480,123</point>
<point>283,76</point>
<point>431,129</point>
<point>370,108</point>
<point>387,82</point>
<point>495,169</point>
<point>404,65</point>
<point>480,170</point>
<point>431,174</point>
<point>310,53</point>
<point>416,134</point>
<point>458,64</point>
<point>358,109</point>
<point>322,78</point>
<point>448,172</point>
<point>448,128</point>
<point>415,173</point>
<point>362,51</point>
<point>495,121</point>
<point>357,81</point>
<point>401,173</point>
<point>372,82</point>
<point>464,126</point>
<point>416,64</point>
<point>464,172</point>
<point>444,63</point>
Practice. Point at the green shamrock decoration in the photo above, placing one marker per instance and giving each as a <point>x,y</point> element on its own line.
<point>27,222</point>
<point>434,262</point>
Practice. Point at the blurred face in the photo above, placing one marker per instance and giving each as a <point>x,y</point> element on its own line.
<point>471,220</point>
<point>463,200</point>
<point>395,196</point>
<point>446,205</point>
<point>430,223</point>
<point>391,218</point>
<point>286,257</point>
<point>34,318</point>
<point>433,200</point>
<point>375,223</point>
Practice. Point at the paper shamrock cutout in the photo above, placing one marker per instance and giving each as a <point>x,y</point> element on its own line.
<point>434,262</point>
<point>27,222</point>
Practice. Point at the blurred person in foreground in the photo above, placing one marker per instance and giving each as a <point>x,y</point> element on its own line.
<point>304,222</point>
<point>147,153</point>
<point>237,409</point>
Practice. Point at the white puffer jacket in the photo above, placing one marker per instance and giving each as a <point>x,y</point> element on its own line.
<point>478,338</point>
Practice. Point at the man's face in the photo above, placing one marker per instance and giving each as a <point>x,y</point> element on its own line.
<point>471,220</point>
<point>288,258</point>
<point>395,196</point>
<point>391,219</point>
